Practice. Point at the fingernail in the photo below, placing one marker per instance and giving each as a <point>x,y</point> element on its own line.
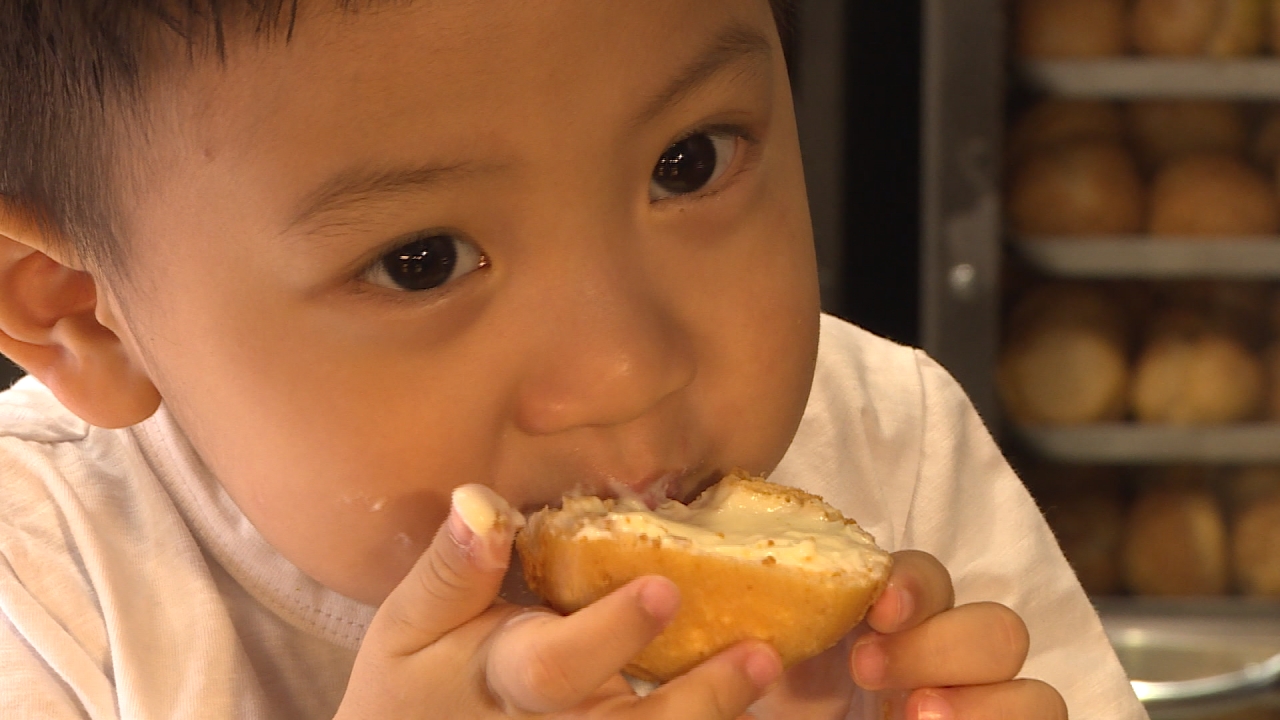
<point>906,606</point>
<point>870,662</point>
<point>763,668</point>
<point>475,514</point>
<point>459,530</point>
<point>933,707</point>
<point>660,600</point>
<point>476,507</point>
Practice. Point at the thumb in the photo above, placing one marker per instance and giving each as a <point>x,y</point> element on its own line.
<point>456,579</point>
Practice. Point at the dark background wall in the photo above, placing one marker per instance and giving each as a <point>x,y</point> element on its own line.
<point>882,172</point>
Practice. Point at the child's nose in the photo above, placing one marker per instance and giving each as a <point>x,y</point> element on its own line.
<point>605,357</point>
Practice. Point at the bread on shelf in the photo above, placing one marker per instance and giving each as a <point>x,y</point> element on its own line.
<point>1167,130</point>
<point>1054,121</point>
<point>1065,360</point>
<point>1188,28</point>
<point>1212,195</point>
<point>1085,187</point>
<point>1056,29</point>
<point>1193,373</point>
<point>1176,543</point>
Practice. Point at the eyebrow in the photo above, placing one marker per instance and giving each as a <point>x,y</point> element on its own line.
<point>354,187</point>
<point>736,43</point>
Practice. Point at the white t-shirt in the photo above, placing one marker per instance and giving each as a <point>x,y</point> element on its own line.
<point>132,587</point>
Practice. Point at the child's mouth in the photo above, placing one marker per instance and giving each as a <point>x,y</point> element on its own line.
<point>682,485</point>
<point>651,491</point>
<point>658,488</point>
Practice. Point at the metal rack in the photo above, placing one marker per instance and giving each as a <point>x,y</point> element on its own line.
<point>1152,258</point>
<point>963,241</point>
<point>962,132</point>
<point>1143,78</point>
<point>1134,444</point>
<point>962,106</point>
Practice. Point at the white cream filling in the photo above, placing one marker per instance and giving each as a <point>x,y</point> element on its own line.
<point>739,522</point>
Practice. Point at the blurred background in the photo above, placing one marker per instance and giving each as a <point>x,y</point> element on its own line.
<point>1074,206</point>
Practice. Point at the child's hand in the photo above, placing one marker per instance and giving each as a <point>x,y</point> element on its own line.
<point>443,646</point>
<point>967,657</point>
<point>957,662</point>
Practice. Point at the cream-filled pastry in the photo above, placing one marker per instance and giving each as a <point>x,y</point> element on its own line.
<point>752,559</point>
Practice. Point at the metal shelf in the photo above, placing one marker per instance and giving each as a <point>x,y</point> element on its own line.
<point>1134,444</point>
<point>1132,78</point>
<point>1158,258</point>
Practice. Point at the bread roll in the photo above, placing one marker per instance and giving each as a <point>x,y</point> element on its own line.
<point>1212,195</point>
<point>1054,29</point>
<point>752,560</point>
<point>1176,544</point>
<point>1088,521</point>
<point>1055,121</point>
<point>1255,546</point>
<point>1166,130</point>
<point>1196,377</point>
<point>1077,188</point>
<point>1216,28</point>
<point>1065,360</point>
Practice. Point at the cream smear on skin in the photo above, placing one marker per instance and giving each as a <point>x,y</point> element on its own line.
<point>738,522</point>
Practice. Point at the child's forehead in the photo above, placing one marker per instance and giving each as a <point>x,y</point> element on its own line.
<point>280,23</point>
<point>454,63</point>
<point>427,95</point>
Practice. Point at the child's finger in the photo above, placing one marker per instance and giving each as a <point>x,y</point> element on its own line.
<point>541,663</point>
<point>919,587</point>
<point>455,580</point>
<point>1023,699</point>
<point>969,645</point>
<point>821,685</point>
<point>721,688</point>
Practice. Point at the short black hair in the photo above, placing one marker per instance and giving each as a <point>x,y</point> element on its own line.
<point>72,74</point>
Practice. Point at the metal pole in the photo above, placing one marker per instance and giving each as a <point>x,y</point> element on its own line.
<point>961,223</point>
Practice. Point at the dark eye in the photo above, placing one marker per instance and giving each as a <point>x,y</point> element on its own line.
<point>691,164</point>
<point>425,263</point>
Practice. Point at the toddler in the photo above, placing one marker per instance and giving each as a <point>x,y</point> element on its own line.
<point>287,277</point>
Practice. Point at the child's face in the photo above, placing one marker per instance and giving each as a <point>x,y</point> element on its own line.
<point>600,322</point>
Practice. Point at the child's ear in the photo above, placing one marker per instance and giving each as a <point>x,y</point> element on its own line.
<point>52,325</point>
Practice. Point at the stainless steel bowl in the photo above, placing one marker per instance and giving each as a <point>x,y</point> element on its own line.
<point>1196,658</point>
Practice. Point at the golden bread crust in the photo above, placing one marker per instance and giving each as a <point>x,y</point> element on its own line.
<point>724,599</point>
